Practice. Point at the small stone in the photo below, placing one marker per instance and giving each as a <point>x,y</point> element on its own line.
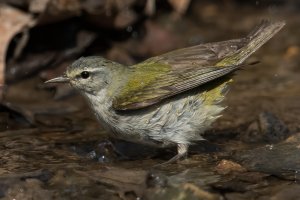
<point>227,167</point>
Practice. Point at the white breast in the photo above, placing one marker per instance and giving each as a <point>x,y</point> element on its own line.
<point>182,120</point>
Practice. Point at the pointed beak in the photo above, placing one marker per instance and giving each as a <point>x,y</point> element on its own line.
<point>60,79</point>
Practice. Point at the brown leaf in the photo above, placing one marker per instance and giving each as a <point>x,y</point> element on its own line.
<point>54,10</point>
<point>110,13</point>
<point>38,6</point>
<point>180,6</point>
<point>13,21</point>
<point>150,7</point>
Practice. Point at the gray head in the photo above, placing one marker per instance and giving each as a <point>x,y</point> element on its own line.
<point>88,74</point>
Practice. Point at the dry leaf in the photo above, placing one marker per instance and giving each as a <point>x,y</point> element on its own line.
<point>13,21</point>
<point>110,13</point>
<point>180,6</point>
<point>38,6</point>
<point>150,7</point>
<point>54,10</point>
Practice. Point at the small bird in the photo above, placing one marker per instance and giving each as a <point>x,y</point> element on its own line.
<point>169,99</point>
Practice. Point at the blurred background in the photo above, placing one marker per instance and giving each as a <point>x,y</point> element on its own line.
<point>48,134</point>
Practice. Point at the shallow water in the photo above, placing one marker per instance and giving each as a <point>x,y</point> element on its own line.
<point>55,149</point>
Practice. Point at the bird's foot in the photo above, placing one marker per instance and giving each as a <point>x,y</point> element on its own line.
<point>182,150</point>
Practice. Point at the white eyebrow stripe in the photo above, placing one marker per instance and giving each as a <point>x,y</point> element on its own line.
<point>94,70</point>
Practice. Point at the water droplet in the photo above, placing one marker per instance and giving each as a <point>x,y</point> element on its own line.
<point>102,159</point>
<point>269,146</point>
<point>92,155</point>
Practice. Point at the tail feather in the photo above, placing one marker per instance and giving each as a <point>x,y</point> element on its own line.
<point>259,36</point>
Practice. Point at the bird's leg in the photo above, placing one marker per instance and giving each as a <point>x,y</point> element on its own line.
<point>182,150</point>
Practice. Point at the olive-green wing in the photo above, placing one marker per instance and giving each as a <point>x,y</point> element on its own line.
<point>207,54</point>
<point>142,91</point>
<point>169,74</point>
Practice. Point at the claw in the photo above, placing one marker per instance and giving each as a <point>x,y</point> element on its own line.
<point>182,150</point>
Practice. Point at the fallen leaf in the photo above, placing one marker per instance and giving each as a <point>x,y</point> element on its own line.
<point>38,6</point>
<point>110,13</point>
<point>13,21</point>
<point>180,6</point>
<point>54,10</point>
<point>150,7</point>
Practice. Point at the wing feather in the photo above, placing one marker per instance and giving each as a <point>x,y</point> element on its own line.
<point>178,71</point>
<point>169,84</point>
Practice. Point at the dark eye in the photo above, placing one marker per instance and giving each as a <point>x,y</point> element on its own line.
<point>85,74</point>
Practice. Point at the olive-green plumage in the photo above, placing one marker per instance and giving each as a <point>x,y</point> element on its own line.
<point>169,99</point>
